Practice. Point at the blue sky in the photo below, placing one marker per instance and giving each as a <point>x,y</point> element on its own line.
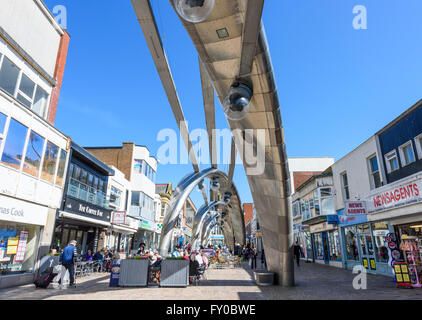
<point>337,86</point>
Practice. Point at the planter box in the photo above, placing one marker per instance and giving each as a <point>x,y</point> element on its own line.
<point>133,273</point>
<point>264,278</point>
<point>174,273</point>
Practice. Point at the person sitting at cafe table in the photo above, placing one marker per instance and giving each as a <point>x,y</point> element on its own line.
<point>88,256</point>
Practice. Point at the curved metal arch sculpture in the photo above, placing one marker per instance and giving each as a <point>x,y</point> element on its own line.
<point>207,228</point>
<point>198,222</point>
<point>234,223</point>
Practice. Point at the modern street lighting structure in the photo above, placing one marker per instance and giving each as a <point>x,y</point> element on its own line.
<point>235,63</point>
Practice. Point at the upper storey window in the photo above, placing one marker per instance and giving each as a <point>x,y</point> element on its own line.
<point>22,88</point>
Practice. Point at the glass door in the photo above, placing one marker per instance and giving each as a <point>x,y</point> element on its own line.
<point>367,251</point>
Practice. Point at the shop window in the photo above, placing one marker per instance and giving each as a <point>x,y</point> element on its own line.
<point>319,246</point>
<point>392,161</point>
<point>379,232</point>
<point>352,252</point>
<point>345,184</point>
<point>407,156</point>
<point>14,144</point>
<point>418,143</point>
<point>33,154</point>
<point>327,201</point>
<point>60,171</point>
<point>374,172</point>
<point>18,248</point>
<point>335,247</point>
<point>9,74</point>
<point>49,163</point>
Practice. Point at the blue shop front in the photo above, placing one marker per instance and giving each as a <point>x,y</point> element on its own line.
<point>363,243</point>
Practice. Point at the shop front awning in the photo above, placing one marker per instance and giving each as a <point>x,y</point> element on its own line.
<point>68,215</point>
<point>123,229</point>
<point>315,220</point>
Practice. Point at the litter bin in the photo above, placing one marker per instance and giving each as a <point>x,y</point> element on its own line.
<point>264,278</point>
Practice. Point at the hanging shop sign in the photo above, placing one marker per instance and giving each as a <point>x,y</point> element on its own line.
<point>332,219</point>
<point>355,207</point>
<point>147,225</point>
<point>345,220</point>
<point>400,195</point>
<point>22,212</point>
<point>87,209</point>
<point>119,217</point>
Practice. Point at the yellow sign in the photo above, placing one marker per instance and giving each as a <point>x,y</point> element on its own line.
<point>365,263</point>
<point>406,277</point>
<point>399,277</point>
<point>12,245</point>
<point>397,269</point>
<point>404,268</point>
<point>373,266</point>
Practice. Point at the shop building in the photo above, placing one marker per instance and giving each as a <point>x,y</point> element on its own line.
<point>316,229</point>
<point>140,168</point>
<point>33,154</point>
<point>379,185</point>
<point>85,213</point>
<point>120,235</point>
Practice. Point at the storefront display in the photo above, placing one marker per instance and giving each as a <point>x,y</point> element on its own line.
<point>18,244</point>
<point>334,243</point>
<point>411,246</point>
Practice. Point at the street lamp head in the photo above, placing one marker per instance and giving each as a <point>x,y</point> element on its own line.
<point>215,184</point>
<point>194,10</point>
<point>237,104</point>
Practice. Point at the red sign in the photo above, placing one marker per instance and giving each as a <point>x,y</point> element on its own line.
<point>400,195</point>
<point>20,252</point>
<point>355,207</point>
<point>119,217</point>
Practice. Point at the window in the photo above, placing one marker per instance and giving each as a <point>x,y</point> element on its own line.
<point>60,171</point>
<point>15,141</point>
<point>296,209</point>
<point>40,102</point>
<point>392,161</point>
<point>345,182</point>
<point>334,242</point>
<point>33,154</point>
<point>135,198</point>
<point>138,166</point>
<point>375,173</point>
<point>49,163</point>
<point>3,119</point>
<point>316,202</point>
<point>26,91</point>
<point>319,247</point>
<point>418,143</point>
<point>327,201</point>
<point>9,74</point>
<point>407,156</point>
<point>115,195</point>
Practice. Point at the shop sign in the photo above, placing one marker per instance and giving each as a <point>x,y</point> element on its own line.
<point>355,207</point>
<point>398,196</point>
<point>303,228</point>
<point>319,227</point>
<point>351,220</point>
<point>332,219</point>
<point>87,209</point>
<point>147,225</point>
<point>22,212</point>
<point>119,217</point>
<point>132,223</point>
<point>217,237</point>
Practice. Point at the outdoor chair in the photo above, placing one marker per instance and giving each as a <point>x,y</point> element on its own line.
<point>78,269</point>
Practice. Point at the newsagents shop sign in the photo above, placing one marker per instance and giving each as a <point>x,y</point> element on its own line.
<point>396,196</point>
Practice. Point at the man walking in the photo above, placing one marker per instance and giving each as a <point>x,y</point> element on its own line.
<point>67,259</point>
<point>296,252</point>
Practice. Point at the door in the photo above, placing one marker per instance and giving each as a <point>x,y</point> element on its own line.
<point>326,248</point>
<point>367,251</point>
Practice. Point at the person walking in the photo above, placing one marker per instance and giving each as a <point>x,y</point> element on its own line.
<point>252,256</point>
<point>263,259</point>
<point>67,259</point>
<point>296,252</point>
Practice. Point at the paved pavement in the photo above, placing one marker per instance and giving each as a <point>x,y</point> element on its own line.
<point>313,281</point>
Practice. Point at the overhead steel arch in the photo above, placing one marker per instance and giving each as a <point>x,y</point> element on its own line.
<point>233,225</point>
<point>207,228</point>
<point>199,220</point>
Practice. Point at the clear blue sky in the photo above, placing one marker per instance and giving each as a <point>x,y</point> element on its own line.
<point>337,85</point>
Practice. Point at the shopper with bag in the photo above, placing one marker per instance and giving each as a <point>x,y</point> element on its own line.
<point>68,259</point>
